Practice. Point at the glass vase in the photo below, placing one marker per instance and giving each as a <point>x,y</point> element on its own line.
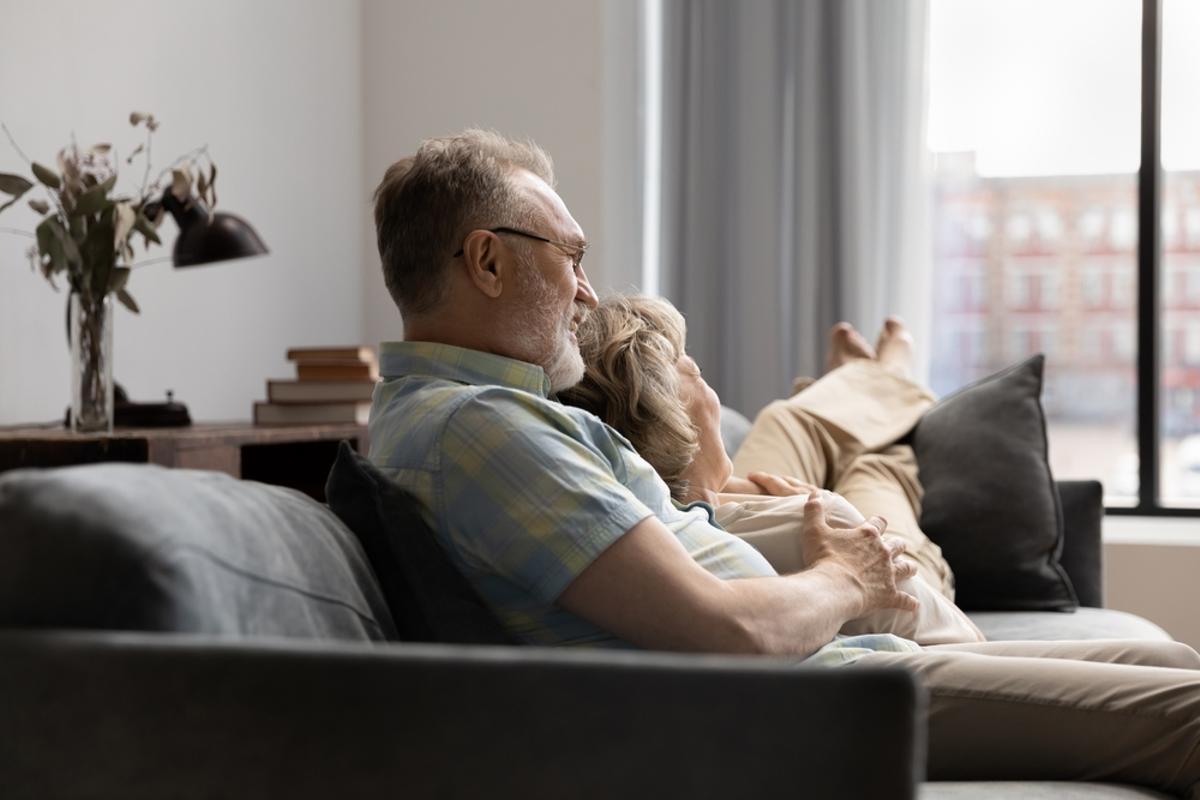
<point>91,363</point>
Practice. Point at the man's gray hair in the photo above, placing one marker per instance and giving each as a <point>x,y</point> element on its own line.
<point>427,203</point>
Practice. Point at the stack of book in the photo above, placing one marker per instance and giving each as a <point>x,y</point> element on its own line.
<point>332,385</point>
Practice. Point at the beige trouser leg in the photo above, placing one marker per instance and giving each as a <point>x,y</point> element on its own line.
<point>839,433</point>
<point>1122,711</point>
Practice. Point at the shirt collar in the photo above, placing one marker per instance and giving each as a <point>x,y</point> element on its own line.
<point>397,359</point>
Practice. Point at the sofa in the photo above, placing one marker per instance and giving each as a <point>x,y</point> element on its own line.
<point>175,633</point>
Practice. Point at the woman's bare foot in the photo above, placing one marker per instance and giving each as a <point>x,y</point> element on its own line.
<point>846,344</point>
<point>895,347</point>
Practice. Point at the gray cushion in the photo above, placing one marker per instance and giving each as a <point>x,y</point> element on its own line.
<point>990,499</point>
<point>1034,790</point>
<point>1085,623</point>
<point>734,428</point>
<point>139,547</point>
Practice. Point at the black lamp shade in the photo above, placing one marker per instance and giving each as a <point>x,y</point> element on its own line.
<point>206,237</point>
<point>222,237</point>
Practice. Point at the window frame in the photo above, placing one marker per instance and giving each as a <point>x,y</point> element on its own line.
<point>1149,260</point>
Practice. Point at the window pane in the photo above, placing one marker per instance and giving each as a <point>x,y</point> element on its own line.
<point>1033,123</point>
<point>1180,274</point>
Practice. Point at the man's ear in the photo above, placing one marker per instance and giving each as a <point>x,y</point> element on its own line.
<point>487,261</point>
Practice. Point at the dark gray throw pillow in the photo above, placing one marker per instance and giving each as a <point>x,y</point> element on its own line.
<point>990,499</point>
<point>429,598</point>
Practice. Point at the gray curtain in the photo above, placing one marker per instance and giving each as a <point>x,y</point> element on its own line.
<point>793,180</point>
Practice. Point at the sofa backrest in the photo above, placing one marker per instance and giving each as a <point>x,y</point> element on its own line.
<point>140,547</point>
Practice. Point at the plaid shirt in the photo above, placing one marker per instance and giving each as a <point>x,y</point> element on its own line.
<point>524,492</point>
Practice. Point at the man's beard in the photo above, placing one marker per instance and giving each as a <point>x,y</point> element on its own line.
<point>563,364</point>
<point>566,364</point>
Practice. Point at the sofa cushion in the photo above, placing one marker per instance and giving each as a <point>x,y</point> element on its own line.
<point>990,499</point>
<point>1034,790</point>
<point>140,547</point>
<point>734,429</point>
<point>1085,623</point>
<point>429,598</point>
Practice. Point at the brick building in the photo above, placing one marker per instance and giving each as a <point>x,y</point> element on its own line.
<point>1048,264</point>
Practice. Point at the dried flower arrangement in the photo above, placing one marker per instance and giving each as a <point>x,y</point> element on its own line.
<point>87,229</point>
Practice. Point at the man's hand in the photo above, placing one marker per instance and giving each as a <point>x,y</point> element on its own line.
<point>861,553</point>
<point>646,589</point>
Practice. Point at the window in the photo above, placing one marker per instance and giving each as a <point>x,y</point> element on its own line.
<point>1190,290</point>
<point>1048,138</point>
<point>1179,296</point>
<point>1049,226</point>
<point>1093,287</point>
<point>1091,224</point>
<point>979,228</point>
<point>1065,196</point>
<point>1020,288</point>
<point>1191,225</point>
<point>1122,283</point>
<point>1123,234</point>
<point>1050,284</point>
<point>1019,228</point>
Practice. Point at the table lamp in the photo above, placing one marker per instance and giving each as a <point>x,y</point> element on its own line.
<point>204,237</point>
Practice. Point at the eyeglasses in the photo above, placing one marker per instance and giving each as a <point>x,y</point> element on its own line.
<point>575,252</point>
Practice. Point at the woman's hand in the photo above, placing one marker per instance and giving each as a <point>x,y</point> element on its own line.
<point>780,485</point>
<point>736,485</point>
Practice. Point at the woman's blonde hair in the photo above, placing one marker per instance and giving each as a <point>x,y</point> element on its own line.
<point>630,346</point>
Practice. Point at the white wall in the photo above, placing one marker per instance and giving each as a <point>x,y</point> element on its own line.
<point>536,68</point>
<point>1150,569</point>
<point>303,104</point>
<point>273,87</point>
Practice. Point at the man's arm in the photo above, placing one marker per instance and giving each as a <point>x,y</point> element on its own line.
<point>646,589</point>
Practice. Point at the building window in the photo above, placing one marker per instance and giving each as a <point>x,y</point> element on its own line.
<point>1123,234</point>
<point>1020,288</point>
<point>1051,288</point>
<point>1091,224</point>
<point>1093,287</point>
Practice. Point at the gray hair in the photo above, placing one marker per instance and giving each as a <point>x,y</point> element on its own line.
<point>427,203</point>
<point>630,346</point>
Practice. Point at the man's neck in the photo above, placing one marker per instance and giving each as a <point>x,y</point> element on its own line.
<point>455,333</point>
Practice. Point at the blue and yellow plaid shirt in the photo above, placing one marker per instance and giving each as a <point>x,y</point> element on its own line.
<point>523,492</point>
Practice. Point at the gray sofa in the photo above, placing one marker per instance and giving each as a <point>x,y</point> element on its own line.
<point>186,634</point>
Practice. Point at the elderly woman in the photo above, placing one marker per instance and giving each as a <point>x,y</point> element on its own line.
<point>836,433</point>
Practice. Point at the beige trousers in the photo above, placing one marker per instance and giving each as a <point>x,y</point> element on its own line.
<point>839,433</point>
<point>1126,712</point>
<point>1098,710</point>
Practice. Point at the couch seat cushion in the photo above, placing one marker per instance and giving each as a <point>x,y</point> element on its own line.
<point>1034,790</point>
<point>1084,623</point>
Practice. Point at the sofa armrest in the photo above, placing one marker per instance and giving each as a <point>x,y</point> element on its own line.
<point>1082,554</point>
<point>145,715</point>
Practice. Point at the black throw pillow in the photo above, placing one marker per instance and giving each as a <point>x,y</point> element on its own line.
<point>990,499</point>
<point>429,598</point>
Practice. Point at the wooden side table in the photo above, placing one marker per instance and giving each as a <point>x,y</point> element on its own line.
<point>295,456</point>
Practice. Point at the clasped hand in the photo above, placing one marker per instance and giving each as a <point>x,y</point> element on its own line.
<point>871,561</point>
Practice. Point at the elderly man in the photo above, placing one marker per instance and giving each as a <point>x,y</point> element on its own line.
<point>572,539</point>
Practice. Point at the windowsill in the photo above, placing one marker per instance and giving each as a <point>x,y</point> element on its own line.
<point>1160,531</point>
